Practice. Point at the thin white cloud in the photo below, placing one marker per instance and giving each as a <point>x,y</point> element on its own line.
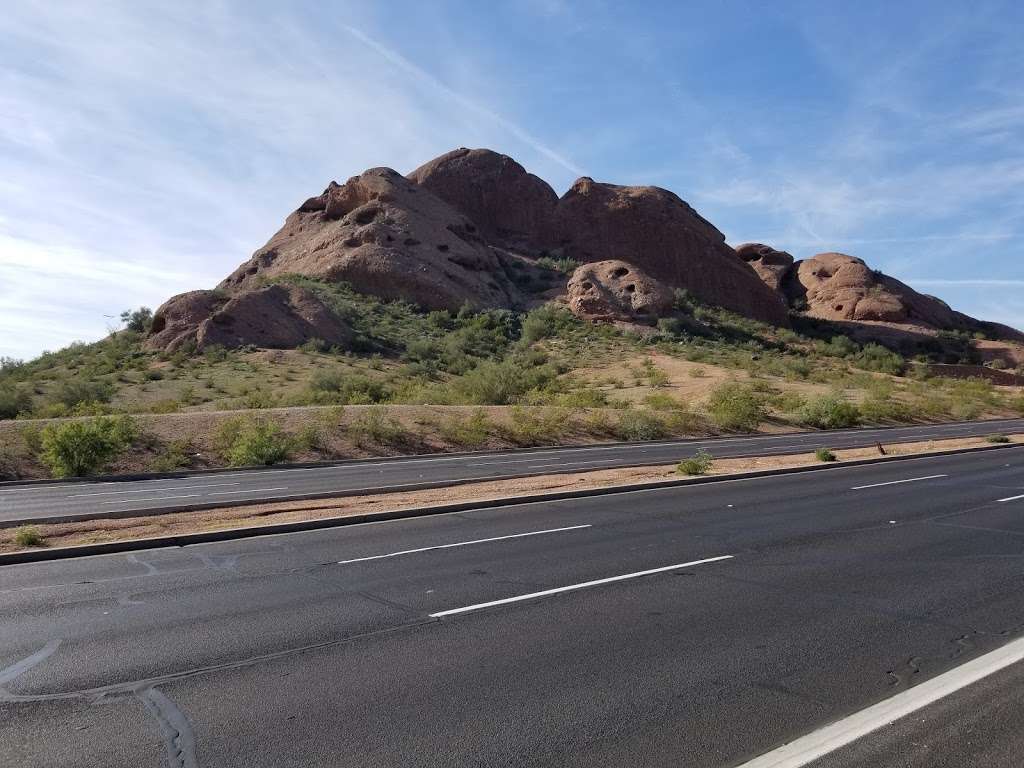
<point>520,133</point>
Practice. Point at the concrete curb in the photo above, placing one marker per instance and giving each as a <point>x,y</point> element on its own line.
<point>184,474</point>
<point>112,547</point>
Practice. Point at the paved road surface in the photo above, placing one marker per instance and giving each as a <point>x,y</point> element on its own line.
<point>697,626</point>
<point>64,501</point>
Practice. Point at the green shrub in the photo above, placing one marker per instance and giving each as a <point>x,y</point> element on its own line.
<point>997,439</point>
<point>376,426</point>
<point>698,464</point>
<point>138,320</point>
<point>825,454</point>
<point>637,426</point>
<point>533,426</point>
<point>174,456</point>
<point>544,322</point>
<point>14,401</point>
<point>879,410</point>
<point>829,412</point>
<point>80,448</point>
<point>28,536</point>
<point>561,264</point>
<point>736,406</point>
<point>79,391</point>
<point>471,432</point>
<point>244,441</point>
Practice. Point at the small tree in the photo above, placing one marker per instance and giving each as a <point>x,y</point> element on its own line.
<point>138,320</point>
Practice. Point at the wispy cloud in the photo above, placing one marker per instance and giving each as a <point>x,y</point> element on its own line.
<point>473,106</point>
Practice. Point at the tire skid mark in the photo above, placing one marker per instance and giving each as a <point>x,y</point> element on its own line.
<point>19,668</point>
<point>175,728</point>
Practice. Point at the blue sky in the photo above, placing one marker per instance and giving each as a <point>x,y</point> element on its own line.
<point>147,148</point>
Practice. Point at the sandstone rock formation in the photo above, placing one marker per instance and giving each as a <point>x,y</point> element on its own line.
<point>275,316</point>
<point>771,265</point>
<point>655,230</point>
<point>508,204</point>
<point>617,291</point>
<point>840,287</point>
<point>386,236</point>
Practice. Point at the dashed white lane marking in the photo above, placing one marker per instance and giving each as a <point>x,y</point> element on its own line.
<point>249,490</point>
<point>832,737</point>
<point>155,498</point>
<point>897,482</point>
<point>1012,498</point>
<point>151,490</point>
<point>461,544</point>
<point>572,587</point>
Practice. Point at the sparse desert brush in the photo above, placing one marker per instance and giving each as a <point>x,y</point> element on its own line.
<point>736,406</point>
<point>825,454</point>
<point>998,438</point>
<point>375,426</point>
<point>470,431</point>
<point>698,464</point>
<point>829,412</point>
<point>246,441</point>
<point>636,426</point>
<point>28,536</point>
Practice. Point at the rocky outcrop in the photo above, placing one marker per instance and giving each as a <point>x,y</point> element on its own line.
<point>505,202</point>
<point>655,230</point>
<point>275,316</point>
<point>386,236</point>
<point>769,264</point>
<point>834,286</point>
<point>615,291</point>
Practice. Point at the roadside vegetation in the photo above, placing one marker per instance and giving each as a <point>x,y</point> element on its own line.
<point>422,381</point>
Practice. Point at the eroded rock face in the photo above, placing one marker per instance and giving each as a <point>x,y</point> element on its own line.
<point>655,230</point>
<point>386,236</point>
<point>508,204</point>
<point>840,287</point>
<point>275,316</point>
<point>769,264</point>
<point>617,291</point>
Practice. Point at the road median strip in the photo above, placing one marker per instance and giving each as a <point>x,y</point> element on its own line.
<point>104,536</point>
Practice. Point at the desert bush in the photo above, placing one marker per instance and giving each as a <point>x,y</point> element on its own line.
<point>561,264</point>
<point>533,426</point>
<point>470,432</point>
<point>78,391</point>
<point>598,423</point>
<point>544,322</point>
<point>333,386</point>
<point>375,426</point>
<point>736,406</point>
<point>825,454</point>
<point>997,439</point>
<point>879,409</point>
<point>84,447</point>
<point>28,536</point>
<point>14,401</point>
<point>829,412</point>
<point>698,464</point>
<point>636,426</point>
<point>244,441</point>
<point>875,357</point>
<point>172,457</point>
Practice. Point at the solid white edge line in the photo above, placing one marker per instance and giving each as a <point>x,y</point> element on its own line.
<point>156,498</point>
<point>462,544</point>
<point>151,490</point>
<point>571,587</point>
<point>831,737</point>
<point>1011,498</point>
<point>896,482</point>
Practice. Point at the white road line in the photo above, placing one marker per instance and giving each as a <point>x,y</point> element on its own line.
<point>151,490</point>
<point>571,587</point>
<point>249,490</point>
<point>1012,498</point>
<point>896,482</point>
<point>842,732</point>
<point>461,544</point>
<point>568,463</point>
<point>155,498</point>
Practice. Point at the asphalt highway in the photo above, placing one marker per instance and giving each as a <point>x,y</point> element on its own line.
<point>53,502</point>
<point>702,626</point>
